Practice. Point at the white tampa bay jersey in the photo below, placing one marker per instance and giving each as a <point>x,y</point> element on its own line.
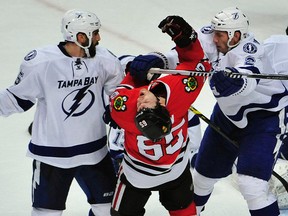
<point>276,53</point>
<point>68,129</point>
<point>255,94</point>
<point>205,36</point>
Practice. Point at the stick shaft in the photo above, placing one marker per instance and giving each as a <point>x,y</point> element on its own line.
<point>208,74</point>
<point>212,125</point>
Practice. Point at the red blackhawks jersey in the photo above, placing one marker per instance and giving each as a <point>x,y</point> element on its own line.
<point>146,163</point>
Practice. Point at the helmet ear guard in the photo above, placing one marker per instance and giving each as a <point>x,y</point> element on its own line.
<point>154,123</point>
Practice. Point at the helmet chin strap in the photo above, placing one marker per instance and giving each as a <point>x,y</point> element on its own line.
<point>86,48</point>
<point>87,52</point>
<point>231,35</point>
<point>231,46</point>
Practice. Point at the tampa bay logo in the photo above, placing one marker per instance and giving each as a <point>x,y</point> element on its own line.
<point>78,102</point>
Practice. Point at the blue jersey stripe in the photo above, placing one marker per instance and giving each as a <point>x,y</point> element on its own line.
<point>66,152</point>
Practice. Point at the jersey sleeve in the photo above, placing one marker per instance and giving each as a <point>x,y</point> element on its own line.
<point>22,95</point>
<point>181,90</point>
<point>113,71</point>
<point>124,104</point>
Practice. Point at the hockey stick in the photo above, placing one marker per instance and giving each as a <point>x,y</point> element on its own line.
<point>213,126</point>
<point>218,130</point>
<point>207,74</point>
<point>282,180</point>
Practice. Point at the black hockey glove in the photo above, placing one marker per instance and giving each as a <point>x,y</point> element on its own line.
<point>30,128</point>
<point>107,118</point>
<point>140,66</point>
<point>179,30</point>
<point>225,85</point>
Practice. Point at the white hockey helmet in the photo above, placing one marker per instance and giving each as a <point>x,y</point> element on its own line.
<point>230,20</point>
<point>76,21</point>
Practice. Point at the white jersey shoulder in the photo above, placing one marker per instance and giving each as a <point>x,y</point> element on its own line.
<point>255,94</point>
<point>205,36</point>
<point>276,52</point>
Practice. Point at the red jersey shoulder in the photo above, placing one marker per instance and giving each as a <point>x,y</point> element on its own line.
<point>177,83</point>
<point>119,103</point>
<point>190,83</point>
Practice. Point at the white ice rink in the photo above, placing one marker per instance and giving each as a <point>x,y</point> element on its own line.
<point>128,27</point>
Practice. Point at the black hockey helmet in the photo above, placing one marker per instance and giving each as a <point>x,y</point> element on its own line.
<point>154,123</point>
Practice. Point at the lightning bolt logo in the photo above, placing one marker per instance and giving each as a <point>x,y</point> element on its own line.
<point>77,102</point>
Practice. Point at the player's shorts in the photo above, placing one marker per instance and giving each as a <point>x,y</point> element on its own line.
<point>174,195</point>
<point>50,185</point>
<point>258,144</point>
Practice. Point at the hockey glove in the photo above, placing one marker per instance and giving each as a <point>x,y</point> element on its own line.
<point>179,30</point>
<point>107,118</point>
<point>30,128</point>
<point>140,66</point>
<point>224,85</point>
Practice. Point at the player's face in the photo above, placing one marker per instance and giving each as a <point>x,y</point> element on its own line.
<point>95,38</point>
<point>220,39</point>
<point>162,101</point>
<point>95,41</point>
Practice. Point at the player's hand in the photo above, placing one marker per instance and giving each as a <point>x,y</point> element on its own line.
<point>107,118</point>
<point>140,66</point>
<point>225,85</point>
<point>179,30</point>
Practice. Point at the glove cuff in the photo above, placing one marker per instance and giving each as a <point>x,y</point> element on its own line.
<point>164,59</point>
<point>161,56</point>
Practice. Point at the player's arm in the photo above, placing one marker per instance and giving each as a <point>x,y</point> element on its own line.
<point>223,85</point>
<point>188,46</point>
<point>20,96</point>
<point>123,105</point>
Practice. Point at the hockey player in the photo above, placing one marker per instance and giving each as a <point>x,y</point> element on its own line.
<point>276,61</point>
<point>116,141</point>
<point>250,111</point>
<point>69,137</point>
<point>116,134</point>
<point>155,120</point>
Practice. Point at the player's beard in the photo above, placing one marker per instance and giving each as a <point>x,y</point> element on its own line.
<point>92,49</point>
